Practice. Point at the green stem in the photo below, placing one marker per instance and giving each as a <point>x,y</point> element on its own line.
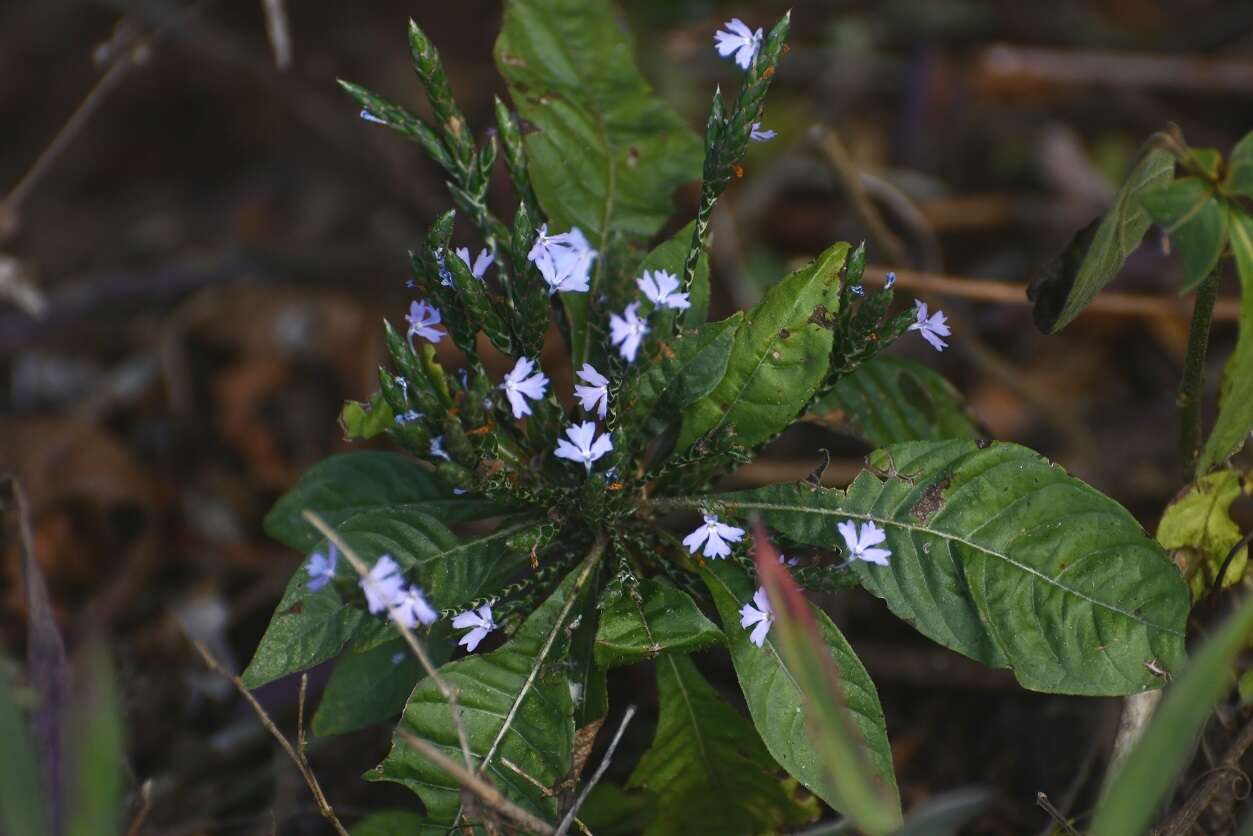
<point>1188,400</point>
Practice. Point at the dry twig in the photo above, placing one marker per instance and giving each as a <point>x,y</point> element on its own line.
<point>1224,772</point>
<point>297,757</point>
<point>569,819</point>
<point>484,791</point>
<point>1107,302</point>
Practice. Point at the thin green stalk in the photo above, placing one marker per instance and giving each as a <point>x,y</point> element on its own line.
<point>1188,400</point>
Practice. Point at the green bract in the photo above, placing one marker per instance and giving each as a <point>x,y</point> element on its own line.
<point>994,552</point>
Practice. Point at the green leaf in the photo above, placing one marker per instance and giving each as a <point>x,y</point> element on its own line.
<point>366,420</point>
<point>1094,256</point>
<point>21,799</point>
<point>707,766</point>
<point>685,370</point>
<point>1235,398</point>
<point>845,768</point>
<point>648,620</point>
<point>1151,769</point>
<point>605,153</point>
<point>96,801</point>
<point>779,358</point>
<point>310,627</point>
<point>1197,527</point>
<point>371,686</point>
<point>891,399</point>
<point>348,484</point>
<point>778,706</point>
<point>1194,219</point>
<point>516,705</point>
<point>396,823</point>
<point>669,256</point>
<point>587,678</point>
<point>1239,180</point>
<point>1002,556</point>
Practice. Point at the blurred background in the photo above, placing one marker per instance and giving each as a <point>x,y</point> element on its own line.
<point>199,239</point>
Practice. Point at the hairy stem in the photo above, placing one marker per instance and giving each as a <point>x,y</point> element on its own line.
<point>1188,399</point>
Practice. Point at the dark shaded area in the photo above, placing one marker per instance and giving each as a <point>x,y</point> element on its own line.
<point>211,256</point>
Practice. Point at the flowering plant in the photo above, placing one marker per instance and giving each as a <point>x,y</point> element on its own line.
<point>588,532</point>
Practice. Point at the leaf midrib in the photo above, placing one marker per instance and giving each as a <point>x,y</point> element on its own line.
<point>802,509</point>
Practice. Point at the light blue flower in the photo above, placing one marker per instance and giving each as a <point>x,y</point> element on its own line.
<point>739,40</point>
<point>584,446</point>
<point>520,384</point>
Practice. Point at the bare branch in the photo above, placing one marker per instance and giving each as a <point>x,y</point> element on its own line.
<point>297,757</point>
<point>566,822</point>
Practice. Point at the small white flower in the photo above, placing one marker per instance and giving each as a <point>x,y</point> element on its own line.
<point>480,264</point>
<point>383,584</point>
<point>595,392</point>
<point>789,561</point>
<point>564,260</point>
<point>410,608</point>
<point>480,621</point>
<point>370,117</point>
<point>715,535</point>
<point>931,329</point>
<point>740,40</point>
<point>583,445</point>
<point>422,318</point>
<point>627,331</point>
<point>321,568</point>
<point>889,279</point>
<point>759,135</point>
<point>758,613</point>
<point>859,543</point>
<point>659,288</point>
<point>521,384</point>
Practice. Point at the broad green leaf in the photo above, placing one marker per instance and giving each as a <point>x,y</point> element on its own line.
<point>846,770</point>
<point>1094,256</point>
<point>365,420</point>
<point>776,702</point>
<point>605,153</point>
<point>1002,556</point>
<point>370,686</point>
<point>779,358</point>
<point>707,766</point>
<point>669,256</point>
<point>310,627</point>
<point>1197,528</point>
<point>685,370</point>
<point>96,801</point>
<point>1195,220</point>
<point>1151,769</point>
<point>396,823</point>
<point>516,704</point>
<point>891,399</point>
<point>644,622</point>
<point>1240,168</point>
<point>21,799</point>
<point>1235,398</point>
<point>348,484</point>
